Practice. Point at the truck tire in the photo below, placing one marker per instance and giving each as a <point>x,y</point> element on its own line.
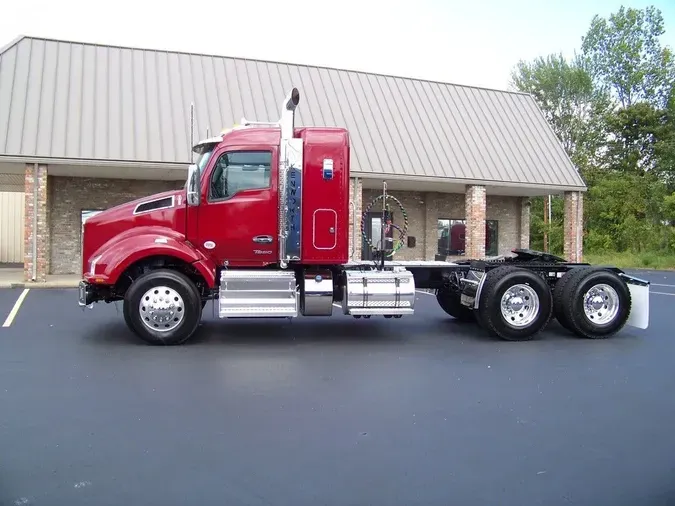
<point>163,307</point>
<point>450,303</point>
<point>515,304</point>
<point>594,303</point>
<point>559,302</point>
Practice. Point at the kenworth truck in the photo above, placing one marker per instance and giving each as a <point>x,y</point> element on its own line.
<point>261,228</point>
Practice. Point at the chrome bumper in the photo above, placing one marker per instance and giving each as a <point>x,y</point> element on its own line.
<point>85,294</point>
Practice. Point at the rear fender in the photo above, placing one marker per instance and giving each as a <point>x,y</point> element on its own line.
<point>113,258</point>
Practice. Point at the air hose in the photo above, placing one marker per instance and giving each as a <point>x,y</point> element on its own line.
<point>402,231</point>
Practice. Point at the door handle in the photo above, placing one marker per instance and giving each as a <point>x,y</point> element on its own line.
<point>263,239</point>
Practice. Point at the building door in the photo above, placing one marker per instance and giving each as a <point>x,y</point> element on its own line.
<point>373,231</point>
<point>11,227</point>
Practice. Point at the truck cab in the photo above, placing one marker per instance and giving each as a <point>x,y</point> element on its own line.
<point>235,197</point>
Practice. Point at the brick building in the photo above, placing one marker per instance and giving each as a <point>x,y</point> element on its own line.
<point>84,127</point>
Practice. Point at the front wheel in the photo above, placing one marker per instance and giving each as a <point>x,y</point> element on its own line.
<point>515,304</point>
<point>163,307</point>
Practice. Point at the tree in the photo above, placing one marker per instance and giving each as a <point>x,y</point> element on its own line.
<point>624,56</point>
<point>613,109</point>
<point>635,131</point>
<point>567,97</point>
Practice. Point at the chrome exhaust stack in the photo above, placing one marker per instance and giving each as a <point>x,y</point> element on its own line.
<point>290,183</point>
<point>287,120</point>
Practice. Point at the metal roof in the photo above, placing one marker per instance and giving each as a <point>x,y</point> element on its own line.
<point>71,100</point>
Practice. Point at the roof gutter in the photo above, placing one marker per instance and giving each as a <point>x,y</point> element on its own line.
<point>94,162</point>
<point>482,182</point>
<point>151,165</point>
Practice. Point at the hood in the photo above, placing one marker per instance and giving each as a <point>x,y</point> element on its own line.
<point>157,201</point>
<point>163,210</point>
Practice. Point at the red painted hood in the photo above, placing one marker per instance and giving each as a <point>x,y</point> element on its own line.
<point>162,210</point>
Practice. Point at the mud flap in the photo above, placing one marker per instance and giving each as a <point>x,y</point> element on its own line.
<point>639,292</point>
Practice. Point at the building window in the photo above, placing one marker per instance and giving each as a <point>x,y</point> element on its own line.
<point>452,237</point>
<point>238,171</point>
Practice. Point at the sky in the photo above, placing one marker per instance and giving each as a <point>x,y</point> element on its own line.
<point>474,42</point>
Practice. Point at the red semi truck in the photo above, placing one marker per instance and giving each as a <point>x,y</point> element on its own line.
<point>262,229</point>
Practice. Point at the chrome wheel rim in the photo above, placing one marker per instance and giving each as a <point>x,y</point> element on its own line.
<point>601,304</point>
<point>162,309</point>
<point>520,305</point>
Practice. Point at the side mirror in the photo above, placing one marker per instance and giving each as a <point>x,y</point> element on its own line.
<point>193,187</point>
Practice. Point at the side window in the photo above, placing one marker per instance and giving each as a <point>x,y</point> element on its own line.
<point>240,170</point>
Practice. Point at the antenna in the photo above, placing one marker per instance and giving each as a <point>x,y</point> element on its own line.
<point>192,130</point>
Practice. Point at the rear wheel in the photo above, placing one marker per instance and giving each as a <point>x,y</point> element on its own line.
<point>450,303</point>
<point>515,304</point>
<point>163,307</point>
<point>594,303</point>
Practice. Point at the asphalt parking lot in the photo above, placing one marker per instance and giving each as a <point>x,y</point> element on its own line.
<point>421,410</point>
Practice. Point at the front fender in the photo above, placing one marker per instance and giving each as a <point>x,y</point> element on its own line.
<point>113,258</point>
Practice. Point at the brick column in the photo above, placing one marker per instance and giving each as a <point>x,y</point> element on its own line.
<point>476,203</point>
<point>355,210</point>
<point>525,222</point>
<point>35,223</point>
<point>430,225</point>
<point>574,219</point>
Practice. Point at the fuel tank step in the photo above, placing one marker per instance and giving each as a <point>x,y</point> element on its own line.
<point>257,294</point>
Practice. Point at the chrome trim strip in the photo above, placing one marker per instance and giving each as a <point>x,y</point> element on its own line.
<point>480,289</point>
<point>633,280</point>
<point>93,264</point>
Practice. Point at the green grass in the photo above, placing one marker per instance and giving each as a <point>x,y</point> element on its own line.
<point>648,260</point>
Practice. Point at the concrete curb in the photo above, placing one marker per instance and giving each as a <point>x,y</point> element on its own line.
<point>45,285</point>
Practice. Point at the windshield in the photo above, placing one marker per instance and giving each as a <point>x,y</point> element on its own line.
<point>203,156</point>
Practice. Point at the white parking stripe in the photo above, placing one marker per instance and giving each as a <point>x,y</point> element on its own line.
<point>657,284</point>
<point>337,305</point>
<point>425,293</point>
<point>15,309</point>
<point>662,293</point>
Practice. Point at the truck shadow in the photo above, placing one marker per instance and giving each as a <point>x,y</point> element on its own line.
<point>257,332</point>
<point>269,332</point>
<point>336,330</point>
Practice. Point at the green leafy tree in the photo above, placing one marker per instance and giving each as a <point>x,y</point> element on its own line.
<point>623,213</point>
<point>625,56</point>
<point>613,109</point>
<point>566,95</point>
<point>635,132</point>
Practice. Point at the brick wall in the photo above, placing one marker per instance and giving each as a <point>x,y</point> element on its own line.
<point>355,199</point>
<point>41,232</point>
<point>414,204</point>
<point>426,208</point>
<point>506,210</point>
<point>68,196</point>
<point>475,221</point>
<point>574,212</point>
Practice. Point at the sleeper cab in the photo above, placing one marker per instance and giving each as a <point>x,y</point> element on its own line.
<point>325,196</point>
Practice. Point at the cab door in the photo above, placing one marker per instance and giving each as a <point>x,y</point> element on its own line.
<point>238,219</point>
